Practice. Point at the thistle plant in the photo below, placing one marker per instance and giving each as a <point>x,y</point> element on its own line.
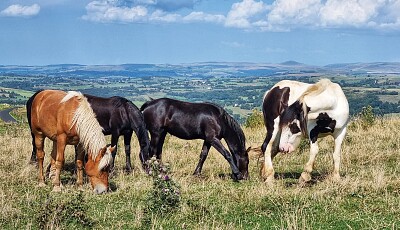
<point>165,195</point>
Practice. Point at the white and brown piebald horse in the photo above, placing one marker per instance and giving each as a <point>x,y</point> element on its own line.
<point>294,109</point>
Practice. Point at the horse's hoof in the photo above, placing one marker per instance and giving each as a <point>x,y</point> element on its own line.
<point>41,184</point>
<point>269,180</point>
<point>237,176</point>
<point>336,177</point>
<point>56,189</point>
<point>128,170</point>
<point>304,178</point>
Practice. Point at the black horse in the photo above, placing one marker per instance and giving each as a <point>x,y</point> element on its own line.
<point>190,121</point>
<point>119,117</point>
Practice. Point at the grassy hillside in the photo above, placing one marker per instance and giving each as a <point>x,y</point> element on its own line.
<point>367,197</point>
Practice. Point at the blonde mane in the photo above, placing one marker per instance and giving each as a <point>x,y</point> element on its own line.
<point>314,90</point>
<point>88,128</point>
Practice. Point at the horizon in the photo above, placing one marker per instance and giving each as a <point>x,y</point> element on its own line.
<point>116,32</point>
<point>289,62</point>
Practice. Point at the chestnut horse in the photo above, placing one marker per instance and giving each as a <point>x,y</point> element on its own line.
<point>190,121</point>
<point>67,119</point>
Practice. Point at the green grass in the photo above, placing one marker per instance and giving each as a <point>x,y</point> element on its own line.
<point>367,197</point>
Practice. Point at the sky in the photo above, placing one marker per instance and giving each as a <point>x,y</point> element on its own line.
<point>102,32</point>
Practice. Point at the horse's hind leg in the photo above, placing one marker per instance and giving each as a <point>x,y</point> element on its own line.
<point>34,151</point>
<point>203,157</point>
<point>127,143</point>
<point>39,144</point>
<point>337,154</point>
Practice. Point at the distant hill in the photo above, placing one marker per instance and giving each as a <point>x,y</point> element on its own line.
<point>202,69</point>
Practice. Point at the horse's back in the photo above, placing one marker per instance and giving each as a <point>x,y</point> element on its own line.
<point>48,115</point>
<point>185,120</point>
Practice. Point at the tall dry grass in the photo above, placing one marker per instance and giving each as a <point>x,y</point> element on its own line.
<point>367,196</point>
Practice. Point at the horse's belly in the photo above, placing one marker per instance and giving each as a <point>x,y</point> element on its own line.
<point>185,135</point>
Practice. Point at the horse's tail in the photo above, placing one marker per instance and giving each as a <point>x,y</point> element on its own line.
<point>29,116</point>
<point>137,124</point>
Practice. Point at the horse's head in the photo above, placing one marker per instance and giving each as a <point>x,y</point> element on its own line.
<point>243,164</point>
<point>98,169</point>
<point>292,124</point>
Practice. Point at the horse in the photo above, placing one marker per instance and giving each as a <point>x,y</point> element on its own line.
<point>189,121</point>
<point>119,116</point>
<point>67,118</point>
<point>293,110</point>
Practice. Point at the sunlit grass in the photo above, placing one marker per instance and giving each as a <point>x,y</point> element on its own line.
<point>367,197</point>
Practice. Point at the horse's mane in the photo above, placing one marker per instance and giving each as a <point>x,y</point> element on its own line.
<point>312,90</point>
<point>231,123</point>
<point>88,128</point>
<point>315,89</point>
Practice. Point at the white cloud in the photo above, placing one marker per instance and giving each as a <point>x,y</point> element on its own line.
<point>294,12</point>
<point>241,13</point>
<point>162,16</point>
<point>204,17</point>
<point>284,15</point>
<point>349,12</point>
<point>104,11</point>
<point>21,11</point>
<point>280,15</point>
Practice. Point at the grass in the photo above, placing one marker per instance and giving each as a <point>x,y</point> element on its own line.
<point>367,197</point>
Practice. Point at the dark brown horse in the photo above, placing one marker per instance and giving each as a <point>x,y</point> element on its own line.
<point>68,119</point>
<point>197,121</point>
<point>120,117</point>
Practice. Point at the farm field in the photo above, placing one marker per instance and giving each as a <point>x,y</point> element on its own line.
<point>367,196</point>
<point>238,95</point>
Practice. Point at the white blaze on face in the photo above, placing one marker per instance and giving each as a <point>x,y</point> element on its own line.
<point>290,137</point>
<point>106,160</point>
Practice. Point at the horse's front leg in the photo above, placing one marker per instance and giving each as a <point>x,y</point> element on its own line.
<point>79,161</point>
<point>51,169</point>
<point>236,174</point>
<point>267,171</point>
<point>156,143</point>
<point>127,143</point>
<point>203,157</point>
<point>59,161</point>
<point>114,142</point>
<point>306,174</point>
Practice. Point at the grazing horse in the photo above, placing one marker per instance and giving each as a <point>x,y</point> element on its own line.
<point>119,116</point>
<point>197,121</point>
<point>68,119</point>
<point>294,109</point>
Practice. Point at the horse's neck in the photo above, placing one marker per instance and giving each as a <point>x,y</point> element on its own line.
<point>233,140</point>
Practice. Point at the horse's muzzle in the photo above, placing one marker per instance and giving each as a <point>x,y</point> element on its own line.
<point>99,189</point>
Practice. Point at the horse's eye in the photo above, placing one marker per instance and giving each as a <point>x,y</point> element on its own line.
<point>294,128</point>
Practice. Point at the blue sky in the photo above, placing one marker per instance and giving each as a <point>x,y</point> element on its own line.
<point>316,32</point>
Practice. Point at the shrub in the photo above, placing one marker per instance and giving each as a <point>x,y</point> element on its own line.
<point>367,117</point>
<point>255,120</point>
<point>165,195</point>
